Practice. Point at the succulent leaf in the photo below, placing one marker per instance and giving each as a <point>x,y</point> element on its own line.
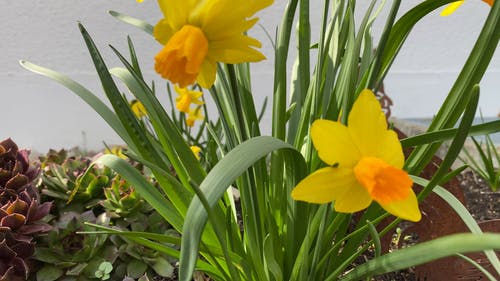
<point>20,212</point>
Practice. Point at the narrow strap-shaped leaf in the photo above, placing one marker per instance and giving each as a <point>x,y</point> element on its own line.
<point>160,238</point>
<point>166,127</point>
<point>229,168</point>
<point>447,134</point>
<point>148,191</point>
<point>144,238</point>
<point>120,105</point>
<point>142,25</point>
<point>85,95</point>
<point>172,144</point>
<point>425,252</point>
<point>478,266</point>
<point>280,72</point>
<point>133,58</point>
<point>164,238</point>
<point>376,64</point>
<point>270,260</point>
<point>457,143</point>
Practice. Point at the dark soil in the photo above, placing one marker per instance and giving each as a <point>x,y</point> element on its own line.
<point>482,202</point>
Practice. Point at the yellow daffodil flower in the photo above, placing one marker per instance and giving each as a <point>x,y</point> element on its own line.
<point>198,34</point>
<point>196,151</point>
<point>193,115</point>
<point>365,164</point>
<point>116,150</point>
<point>140,1</point>
<point>450,9</point>
<point>138,108</point>
<point>187,97</point>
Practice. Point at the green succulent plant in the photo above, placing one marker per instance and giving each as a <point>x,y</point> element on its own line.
<point>122,200</point>
<point>69,255</point>
<point>69,181</point>
<point>84,193</point>
<point>21,213</point>
<point>128,211</point>
<point>136,260</point>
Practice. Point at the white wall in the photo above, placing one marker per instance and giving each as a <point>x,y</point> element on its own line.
<point>41,114</point>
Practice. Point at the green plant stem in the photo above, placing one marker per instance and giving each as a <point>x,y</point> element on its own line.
<point>240,109</point>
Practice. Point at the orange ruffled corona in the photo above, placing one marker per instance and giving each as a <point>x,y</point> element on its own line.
<point>365,164</point>
<point>198,34</point>
<point>181,59</point>
<point>450,9</point>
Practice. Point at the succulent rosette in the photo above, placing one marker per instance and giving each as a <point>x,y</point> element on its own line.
<point>20,211</point>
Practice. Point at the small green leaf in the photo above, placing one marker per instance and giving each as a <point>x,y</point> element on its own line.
<point>162,267</point>
<point>136,268</point>
<point>46,255</point>
<point>49,273</point>
<point>92,100</point>
<point>77,269</point>
<point>106,267</point>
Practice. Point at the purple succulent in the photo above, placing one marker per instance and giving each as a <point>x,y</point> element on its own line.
<point>20,211</point>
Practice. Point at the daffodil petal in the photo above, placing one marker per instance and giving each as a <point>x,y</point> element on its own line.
<point>390,149</point>
<point>324,185</point>
<point>214,15</point>
<point>163,31</point>
<point>210,19</point>
<point>355,199</point>
<point>366,122</point>
<point>206,77</point>
<point>450,9</point>
<point>177,12</point>
<point>216,32</point>
<point>236,50</point>
<point>406,209</point>
<point>334,144</point>
<point>368,129</point>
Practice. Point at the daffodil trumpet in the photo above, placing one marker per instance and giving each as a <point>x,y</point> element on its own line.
<point>198,34</point>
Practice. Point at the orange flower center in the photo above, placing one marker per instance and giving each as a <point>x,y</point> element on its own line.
<point>181,58</point>
<point>384,182</point>
<point>490,2</point>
